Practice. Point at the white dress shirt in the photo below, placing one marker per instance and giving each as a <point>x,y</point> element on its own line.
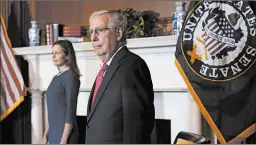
<point>110,60</point>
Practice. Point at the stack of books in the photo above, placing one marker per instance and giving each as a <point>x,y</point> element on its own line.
<point>52,33</point>
<point>75,34</point>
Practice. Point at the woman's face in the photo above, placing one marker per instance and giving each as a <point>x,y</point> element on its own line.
<point>58,56</point>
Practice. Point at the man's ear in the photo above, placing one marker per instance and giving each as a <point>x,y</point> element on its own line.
<point>119,34</point>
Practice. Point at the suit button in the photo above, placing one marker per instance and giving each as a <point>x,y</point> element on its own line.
<point>87,126</point>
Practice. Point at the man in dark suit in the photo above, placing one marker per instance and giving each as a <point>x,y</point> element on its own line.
<point>120,107</point>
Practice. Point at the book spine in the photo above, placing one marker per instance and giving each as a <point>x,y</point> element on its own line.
<point>55,32</point>
<point>47,29</point>
<point>51,34</point>
<point>72,39</point>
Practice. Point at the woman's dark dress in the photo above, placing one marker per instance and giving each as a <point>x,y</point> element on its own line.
<point>61,97</point>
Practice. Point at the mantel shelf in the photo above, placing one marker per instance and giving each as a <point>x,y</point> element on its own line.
<point>147,42</point>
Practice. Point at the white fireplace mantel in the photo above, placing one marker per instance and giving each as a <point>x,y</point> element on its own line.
<point>148,42</point>
<point>172,101</point>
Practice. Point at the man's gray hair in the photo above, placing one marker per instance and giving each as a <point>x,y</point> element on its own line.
<point>116,20</point>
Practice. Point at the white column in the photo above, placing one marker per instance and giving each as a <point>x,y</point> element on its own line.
<point>36,116</point>
<point>36,98</point>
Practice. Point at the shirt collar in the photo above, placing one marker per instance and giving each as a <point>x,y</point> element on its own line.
<point>110,60</point>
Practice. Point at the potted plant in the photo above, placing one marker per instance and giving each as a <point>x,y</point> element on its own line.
<point>140,23</point>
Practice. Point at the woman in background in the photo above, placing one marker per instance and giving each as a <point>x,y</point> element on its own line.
<point>62,95</point>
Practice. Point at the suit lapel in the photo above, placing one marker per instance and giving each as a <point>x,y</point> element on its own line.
<point>115,64</point>
<point>90,99</point>
<point>108,75</point>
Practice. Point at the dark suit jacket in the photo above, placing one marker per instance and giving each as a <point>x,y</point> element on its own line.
<point>123,110</point>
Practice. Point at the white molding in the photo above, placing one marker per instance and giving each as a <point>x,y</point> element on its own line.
<point>155,89</point>
<point>30,57</point>
<point>148,42</point>
<point>160,41</point>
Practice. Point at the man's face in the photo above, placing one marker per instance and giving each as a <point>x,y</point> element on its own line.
<point>104,39</point>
